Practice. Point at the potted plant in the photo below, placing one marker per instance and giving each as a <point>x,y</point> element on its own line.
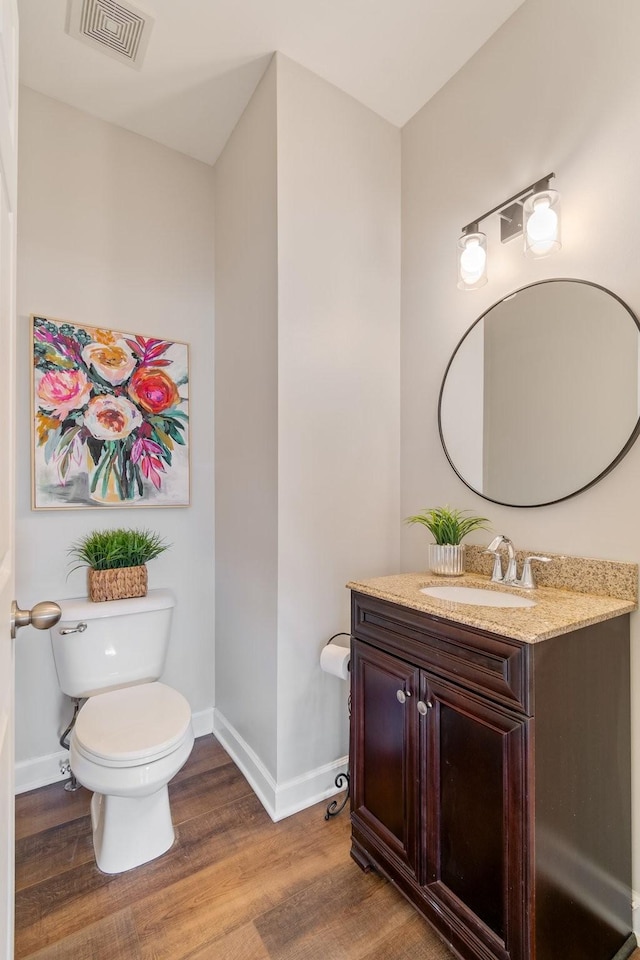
<point>116,561</point>
<point>449,527</point>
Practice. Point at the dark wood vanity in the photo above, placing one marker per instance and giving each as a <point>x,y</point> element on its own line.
<point>491,780</point>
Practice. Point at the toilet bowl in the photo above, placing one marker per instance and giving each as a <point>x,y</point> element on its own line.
<point>126,746</point>
<point>133,733</point>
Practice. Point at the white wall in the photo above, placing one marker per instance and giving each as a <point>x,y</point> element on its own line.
<point>338,369</point>
<point>246,391</point>
<point>556,89</point>
<point>319,389</point>
<point>115,231</point>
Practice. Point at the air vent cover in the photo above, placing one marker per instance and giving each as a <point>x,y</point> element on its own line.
<point>119,30</point>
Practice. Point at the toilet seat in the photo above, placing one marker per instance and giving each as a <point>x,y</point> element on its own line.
<point>132,726</point>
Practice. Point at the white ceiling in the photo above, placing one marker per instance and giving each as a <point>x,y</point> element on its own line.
<point>205,58</point>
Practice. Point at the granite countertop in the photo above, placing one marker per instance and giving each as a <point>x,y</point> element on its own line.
<point>557,611</point>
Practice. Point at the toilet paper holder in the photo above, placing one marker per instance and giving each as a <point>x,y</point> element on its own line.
<point>335,807</point>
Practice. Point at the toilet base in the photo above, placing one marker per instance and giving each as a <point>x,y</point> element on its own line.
<point>130,831</point>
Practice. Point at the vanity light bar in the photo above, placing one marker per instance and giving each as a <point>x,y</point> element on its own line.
<point>533,212</point>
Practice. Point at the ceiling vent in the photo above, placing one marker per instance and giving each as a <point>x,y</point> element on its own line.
<point>118,30</point>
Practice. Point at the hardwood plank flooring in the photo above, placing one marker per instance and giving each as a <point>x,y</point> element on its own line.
<point>234,886</point>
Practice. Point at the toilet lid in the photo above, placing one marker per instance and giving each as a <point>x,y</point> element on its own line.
<point>139,723</point>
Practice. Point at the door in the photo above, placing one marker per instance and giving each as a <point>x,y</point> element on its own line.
<point>474,764</point>
<point>384,747</point>
<point>8,189</point>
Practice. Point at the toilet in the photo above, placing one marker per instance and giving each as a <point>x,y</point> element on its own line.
<point>133,733</point>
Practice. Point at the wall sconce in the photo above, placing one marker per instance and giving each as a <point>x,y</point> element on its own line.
<point>472,258</point>
<point>532,212</point>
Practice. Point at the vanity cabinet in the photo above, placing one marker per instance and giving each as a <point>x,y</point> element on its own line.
<point>491,781</point>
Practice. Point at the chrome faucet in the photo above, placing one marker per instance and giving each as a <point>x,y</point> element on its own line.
<point>511,573</point>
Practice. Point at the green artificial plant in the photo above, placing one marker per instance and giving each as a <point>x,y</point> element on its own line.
<point>448,526</point>
<point>110,549</point>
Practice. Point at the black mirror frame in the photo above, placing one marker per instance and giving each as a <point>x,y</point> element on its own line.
<point>623,452</point>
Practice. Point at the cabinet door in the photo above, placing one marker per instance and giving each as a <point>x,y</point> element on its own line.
<point>474,765</point>
<point>384,750</point>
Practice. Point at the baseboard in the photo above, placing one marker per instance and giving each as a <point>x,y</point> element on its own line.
<point>280,800</point>
<point>41,771</point>
<point>635,913</point>
<point>247,760</point>
<point>309,788</point>
<point>202,722</point>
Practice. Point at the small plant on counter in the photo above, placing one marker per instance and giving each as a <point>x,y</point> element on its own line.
<point>116,560</point>
<point>448,526</point>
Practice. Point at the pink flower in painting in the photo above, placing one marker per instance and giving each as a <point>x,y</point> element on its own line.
<point>114,362</point>
<point>147,453</point>
<point>63,390</point>
<point>111,418</point>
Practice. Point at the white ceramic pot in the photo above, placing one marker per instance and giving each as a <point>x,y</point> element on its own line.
<point>446,559</point>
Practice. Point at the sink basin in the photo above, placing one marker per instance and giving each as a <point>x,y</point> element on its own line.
<point>477,596</point>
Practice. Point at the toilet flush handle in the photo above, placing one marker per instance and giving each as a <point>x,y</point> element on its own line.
<point>79,629</point>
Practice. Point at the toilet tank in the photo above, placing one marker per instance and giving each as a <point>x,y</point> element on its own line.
<point>123,642</point>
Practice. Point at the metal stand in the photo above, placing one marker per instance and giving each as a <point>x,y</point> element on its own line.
<point>334,807</point>
<point>71,785</point>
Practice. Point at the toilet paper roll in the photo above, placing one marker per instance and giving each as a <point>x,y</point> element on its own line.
<point>334,659</point>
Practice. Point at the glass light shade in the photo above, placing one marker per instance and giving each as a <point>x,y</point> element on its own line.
<point>542,224</point>
<point>472,261</point>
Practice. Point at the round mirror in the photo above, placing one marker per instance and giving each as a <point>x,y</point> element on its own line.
<point>540,398</point>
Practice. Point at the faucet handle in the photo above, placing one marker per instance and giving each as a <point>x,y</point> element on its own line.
<point>526,579</point>
<point>496,575</point>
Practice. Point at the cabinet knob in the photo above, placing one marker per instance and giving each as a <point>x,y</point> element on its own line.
<point>402,695</point>
<point>423,707</point>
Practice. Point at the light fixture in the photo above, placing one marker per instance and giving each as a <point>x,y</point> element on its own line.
<point>533,212</point>
<point>472,258</point>
<point>542,223</point>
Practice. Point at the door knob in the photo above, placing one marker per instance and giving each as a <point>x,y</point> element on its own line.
<point>44,615</point>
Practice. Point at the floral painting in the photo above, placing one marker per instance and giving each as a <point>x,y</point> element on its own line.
<point>110,420</point>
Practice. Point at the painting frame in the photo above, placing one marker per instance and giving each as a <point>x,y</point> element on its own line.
<point>110,418</point>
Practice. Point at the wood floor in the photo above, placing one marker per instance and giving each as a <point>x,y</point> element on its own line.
<point>235,886</point>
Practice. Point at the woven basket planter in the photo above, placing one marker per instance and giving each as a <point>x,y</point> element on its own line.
<point>118,584</point>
